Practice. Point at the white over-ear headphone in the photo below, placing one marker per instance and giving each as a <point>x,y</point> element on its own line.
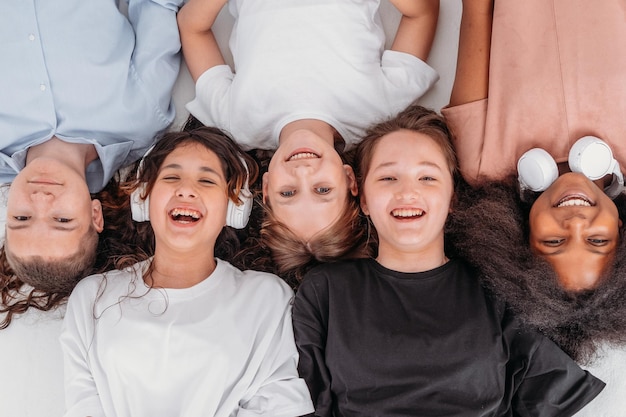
<point>236,215</point>
<point>589,156</point>
<point>4,197</point>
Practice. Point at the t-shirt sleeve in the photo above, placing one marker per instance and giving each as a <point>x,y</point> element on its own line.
<point>549,383</point>
<point>310,322</point>
<point>212,102</point>
<point>405,73</point>
<point>81,395</point>
<point>282,393</point>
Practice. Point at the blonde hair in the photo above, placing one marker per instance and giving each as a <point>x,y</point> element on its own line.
<point>343,239</point>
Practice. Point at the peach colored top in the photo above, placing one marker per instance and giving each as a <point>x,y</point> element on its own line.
<point>557,73</point>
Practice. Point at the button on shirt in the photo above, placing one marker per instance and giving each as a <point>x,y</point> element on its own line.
<point>86,73</point>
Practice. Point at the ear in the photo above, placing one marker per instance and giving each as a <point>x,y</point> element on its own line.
<point>96,215</point>
<point>363,203</point>
<point>352,185</point>
<point>265,186</point>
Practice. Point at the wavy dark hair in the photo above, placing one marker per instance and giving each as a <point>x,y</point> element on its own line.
<point>489,227</point>
<point>232,161</point>
<point>124,242</point>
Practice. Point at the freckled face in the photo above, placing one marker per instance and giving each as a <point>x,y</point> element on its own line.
<point>574,225</point>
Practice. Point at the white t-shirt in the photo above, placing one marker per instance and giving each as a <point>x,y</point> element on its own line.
<point>316,59</point>
<point>223,347</point>
<point>31,365</point>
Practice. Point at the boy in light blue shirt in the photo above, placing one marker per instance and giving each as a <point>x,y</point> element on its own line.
<point>86,89</point>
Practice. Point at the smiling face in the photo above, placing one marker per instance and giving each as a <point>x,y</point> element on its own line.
<point>407,192</point>
<point>49,211</point>
<point>188,201</point>
<point>307,184</point>
<point>575,227</point>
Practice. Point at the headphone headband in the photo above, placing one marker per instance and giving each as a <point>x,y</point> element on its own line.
<point>237,216</point>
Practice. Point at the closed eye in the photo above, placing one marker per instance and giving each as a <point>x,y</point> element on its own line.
<point>428,178</point>
<point>62,219</point>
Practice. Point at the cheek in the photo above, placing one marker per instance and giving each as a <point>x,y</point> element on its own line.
<point>534,220</point>
<point>157,200</point>
<point>541,226</point>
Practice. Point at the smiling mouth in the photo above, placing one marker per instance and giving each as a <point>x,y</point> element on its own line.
<point>407,213</point>
<point>185,216</point>
<point>303,155</point>
<point>574,201</point>
<point>44,182</point>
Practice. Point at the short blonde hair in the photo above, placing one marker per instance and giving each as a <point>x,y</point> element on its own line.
<point>343,239</point>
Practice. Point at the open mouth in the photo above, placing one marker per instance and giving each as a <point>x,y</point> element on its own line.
<point>302,155</point>
<point>407,213</point>
<point>574,201</point>
<point>185,216</point>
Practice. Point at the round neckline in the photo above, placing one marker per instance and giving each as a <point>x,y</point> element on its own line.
<point>412,276</point>
<point>207,284</point>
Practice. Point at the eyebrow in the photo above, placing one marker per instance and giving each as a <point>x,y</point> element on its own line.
<point>202,168</point>
<point>423,163</point>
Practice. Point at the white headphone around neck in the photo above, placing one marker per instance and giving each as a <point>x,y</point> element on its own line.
<point>589,156</point>
<point>237,216</point>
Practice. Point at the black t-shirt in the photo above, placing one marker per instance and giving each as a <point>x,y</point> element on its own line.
<point>376,342</point>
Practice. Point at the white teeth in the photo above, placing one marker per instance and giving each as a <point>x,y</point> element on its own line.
<point>303,155</point>
<point>185,214</point>
<point>407,213</point>
<point>574,202</point>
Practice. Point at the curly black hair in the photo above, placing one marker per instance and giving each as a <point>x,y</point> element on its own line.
<point>489,228</point>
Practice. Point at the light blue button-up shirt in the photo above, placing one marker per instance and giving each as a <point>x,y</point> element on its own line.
<point>82,71</point>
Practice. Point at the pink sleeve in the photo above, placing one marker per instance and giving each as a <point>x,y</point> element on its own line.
<point>467,122</point>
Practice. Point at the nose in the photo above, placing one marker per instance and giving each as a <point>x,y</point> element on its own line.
<point>186,190</point>
<point>303,168</point>
<point>41,196</point>
<point>406,190</point>
<point>576,220</point>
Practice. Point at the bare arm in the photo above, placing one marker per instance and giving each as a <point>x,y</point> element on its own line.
<point>471,82</point>
<point>200,48</point>
<point>417,27</point>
